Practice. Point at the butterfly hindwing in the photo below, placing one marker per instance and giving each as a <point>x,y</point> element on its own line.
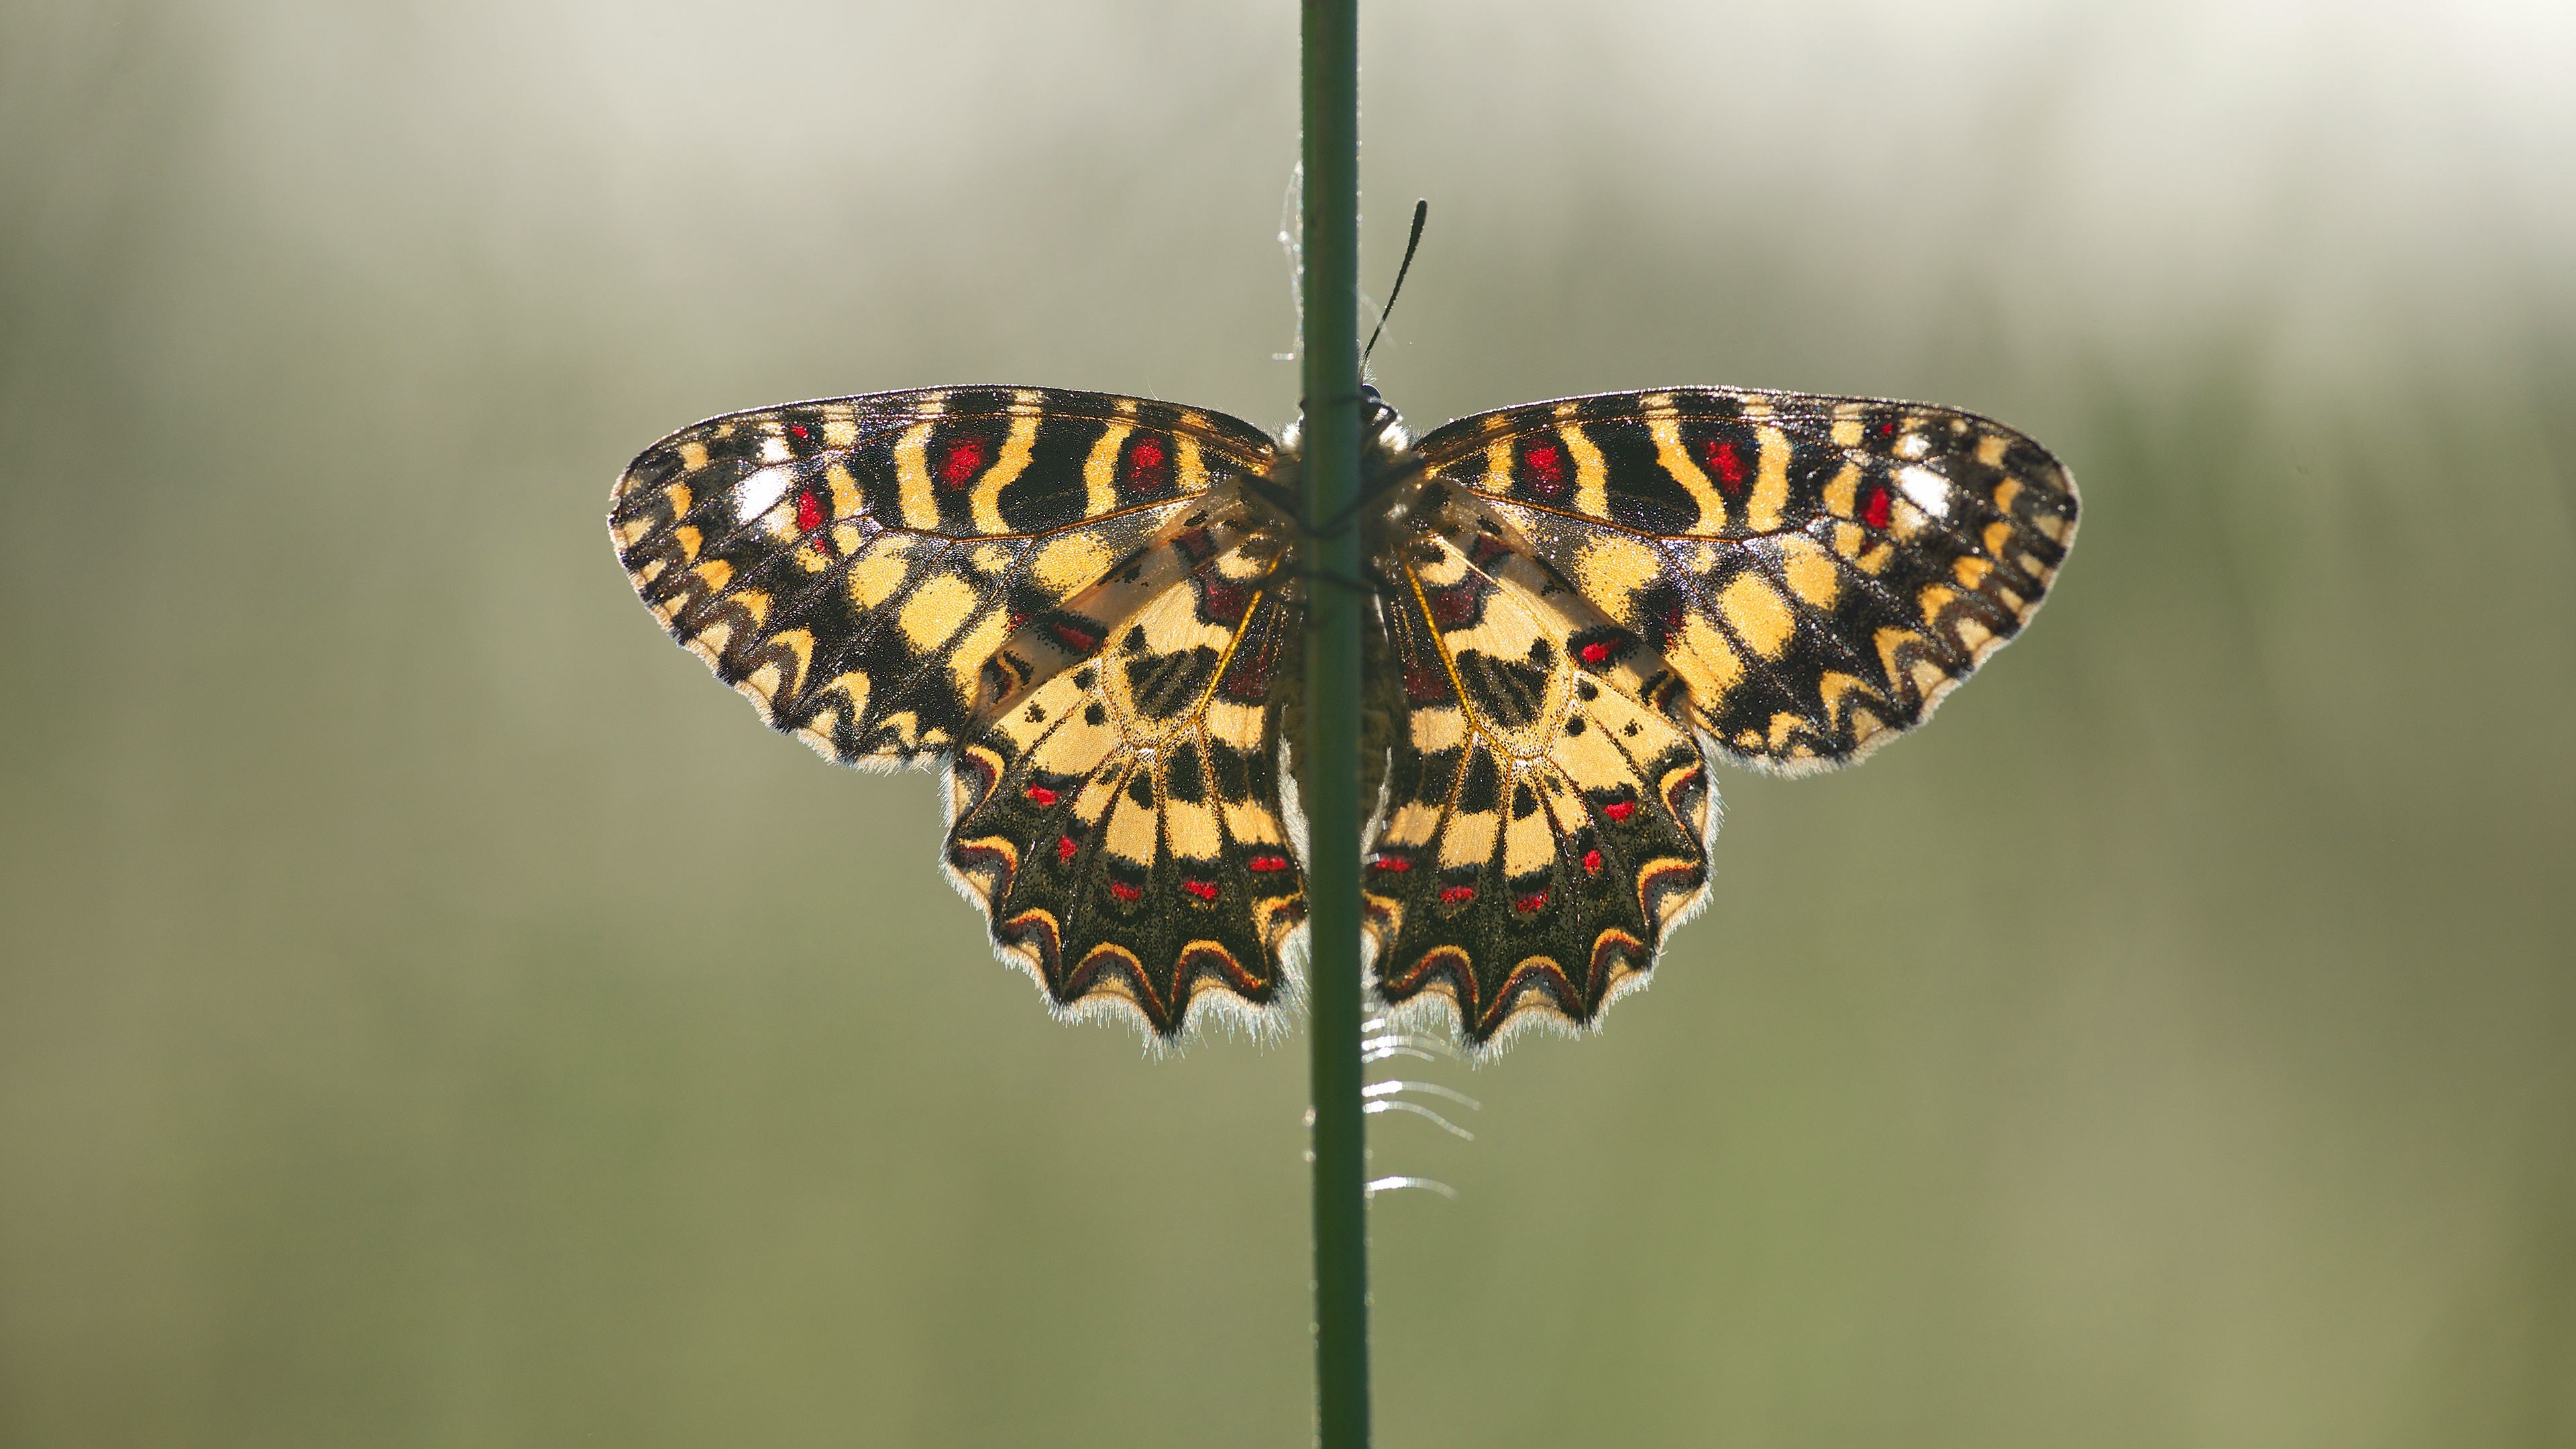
<point>1120,823</point>
<point>1818,571</point>
<point>851,565</point>
<point>1543,824</point>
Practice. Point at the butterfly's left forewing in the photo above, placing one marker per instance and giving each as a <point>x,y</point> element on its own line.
<point>852,565</point>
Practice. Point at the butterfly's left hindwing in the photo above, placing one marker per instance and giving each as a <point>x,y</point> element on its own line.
<point>1819,571</point>
<point>1121,823</point>
<point>852,565</point>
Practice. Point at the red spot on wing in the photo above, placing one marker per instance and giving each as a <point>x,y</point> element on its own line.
<point>1596,652</point>
<point>1222,603</point>
<point>1454,607</point>
<point>799,431</point>
<point>1148,466</point>
<point>1204,889</point>
<point>1455,895</point>
<point>1124,891</point>
<point>1266,863</point>
<point>1543,469</point>
<point>1487,550</point>
<point>1887,429</point>
<point>1424,684</point>
<point>1530,902</point>
<point>1248,677</point>
<point>1592,862</point>
<point>1041,794</point>
<point>1074,639</point>
<point>1875,509</point>
<point>809,512</point>
<point>1620,809</point>
<point>1064,848</point>
<point>963,459</point>
<point>1391,864</point>
<point>1722,460</point>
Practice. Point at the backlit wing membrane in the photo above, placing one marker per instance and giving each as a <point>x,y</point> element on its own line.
<point>1091,609</point>
<point>1120,823</point>
<point>852,565</point>
<point>1818,571</point>
<point>1544,823</point>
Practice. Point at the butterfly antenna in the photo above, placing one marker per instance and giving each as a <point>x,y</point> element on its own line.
<point>1421,214</point>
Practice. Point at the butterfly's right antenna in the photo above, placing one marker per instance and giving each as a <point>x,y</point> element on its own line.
<point>1421,213</point>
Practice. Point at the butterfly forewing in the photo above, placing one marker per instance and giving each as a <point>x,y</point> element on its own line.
<point>852,565</point>
<point>1818,571</point>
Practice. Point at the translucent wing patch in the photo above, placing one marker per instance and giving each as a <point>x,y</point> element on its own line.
<point>1544,823</point>
<point>1818,571</point>
<point>1120,823</point>
<point>852,565</point>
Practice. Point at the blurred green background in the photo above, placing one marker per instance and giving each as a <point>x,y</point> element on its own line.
<point>436,1013</point>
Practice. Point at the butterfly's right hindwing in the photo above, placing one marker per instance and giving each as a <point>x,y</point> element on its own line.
<point>1544,824</point>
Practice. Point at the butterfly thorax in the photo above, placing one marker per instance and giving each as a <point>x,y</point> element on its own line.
<point>1386,462</point>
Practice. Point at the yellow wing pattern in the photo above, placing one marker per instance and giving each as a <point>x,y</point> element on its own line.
<point>1818,571</point>
<point>1544,822</point>
<point>1120,823</point>
<point>852,565</point>
<point>1090,609</point>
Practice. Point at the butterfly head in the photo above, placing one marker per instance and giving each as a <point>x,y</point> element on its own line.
<point>1384,440</point>
<point>1382,431</point>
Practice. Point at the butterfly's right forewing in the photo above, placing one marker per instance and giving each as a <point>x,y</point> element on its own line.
<point>1820,571</point>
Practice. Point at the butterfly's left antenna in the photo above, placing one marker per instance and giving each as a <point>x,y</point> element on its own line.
<point>1421,214</point>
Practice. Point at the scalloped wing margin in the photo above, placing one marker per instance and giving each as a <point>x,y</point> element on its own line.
<point>1818,571</point>
<point>851,565</point>
<point>1121,825</point>
<point>1545,824</point>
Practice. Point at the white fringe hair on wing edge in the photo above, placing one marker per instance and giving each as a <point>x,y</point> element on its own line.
<point>1430,1014</point>
<point>1435,1014</point>
<point>1264,1026</point>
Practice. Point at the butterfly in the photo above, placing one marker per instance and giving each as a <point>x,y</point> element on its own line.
<point>1088,610</point>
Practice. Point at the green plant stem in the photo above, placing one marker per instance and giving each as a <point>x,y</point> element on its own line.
<point>1331,365</point>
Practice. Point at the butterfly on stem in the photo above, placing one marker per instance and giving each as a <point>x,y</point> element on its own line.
<point>1088,609</point>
